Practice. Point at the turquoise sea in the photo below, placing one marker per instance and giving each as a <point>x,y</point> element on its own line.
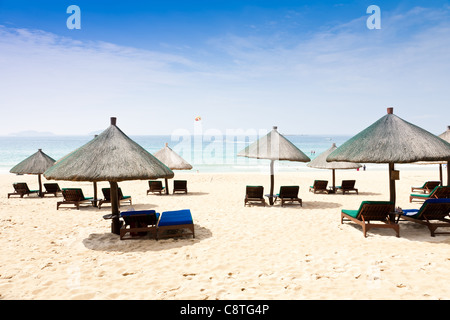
<point>204,153</point>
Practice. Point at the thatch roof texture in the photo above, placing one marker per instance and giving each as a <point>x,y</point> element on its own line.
<point>392,140</point>
<point>37,163</point>
<point>274,146</point>
<point>171,159</point>
<point>446,135</point>
<point>320,162</point>
<point>111,156</point>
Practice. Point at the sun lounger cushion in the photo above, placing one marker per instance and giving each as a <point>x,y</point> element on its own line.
<point>172,218</point>
<point>351,213</point>
<point>133,213</point>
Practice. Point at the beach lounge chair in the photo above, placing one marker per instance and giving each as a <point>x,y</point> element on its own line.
<point>438,193</point>
<point>427,187</point>
<point>434,213</point>
<point>347,186</point>
<point>172,224</point>
<point>52,188</point>
<point>155,186</point>
<point>73,196</point>
<point>107,195</point>
<point>138,224</point>
<point>21,189</point>
<point>381,211</point>
<point>319,186</point>
<point>180,186</point>
<point>254,194</point>
<point>288,193</point>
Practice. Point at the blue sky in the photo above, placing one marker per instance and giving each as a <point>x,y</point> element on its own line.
<point>309,67</point>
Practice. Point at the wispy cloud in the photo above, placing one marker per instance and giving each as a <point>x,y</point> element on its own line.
<point>234,80</point>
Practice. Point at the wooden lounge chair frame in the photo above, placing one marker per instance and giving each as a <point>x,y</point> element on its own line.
<point>427,187</point>
<point>107,199</point>
<point>175,227</point>
<point>52,188</point>
<point>254,194</point>
<point>155,186</point>
<point>288,193</point>
<point>179,186</point>
<point>439,192</point>
<point>319,186</point>
<point>434,213</point>
<point>347,186</point>
<point>73,196</point>
<point>139,224</point>
<point>21,189</point>
<point>381,211</point>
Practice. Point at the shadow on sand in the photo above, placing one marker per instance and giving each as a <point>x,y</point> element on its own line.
<point>111,242</point>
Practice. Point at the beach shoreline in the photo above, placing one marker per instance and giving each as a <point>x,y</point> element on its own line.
<point>249,253</point>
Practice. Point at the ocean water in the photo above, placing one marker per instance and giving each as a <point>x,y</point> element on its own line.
<point>204,153</point>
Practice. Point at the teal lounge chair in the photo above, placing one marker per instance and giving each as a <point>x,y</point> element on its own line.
<point>107,195</point>
<point>381,211</point>
<point>254,194</point>
<point>434,213</point>
<point>319,186</point>
<point>427,187</point>
<point>155,186</point>
<point>73,196</point>
<point>288,193</point>
<point>21,189</point>
<point>347,186</point>
<point>440,192</point>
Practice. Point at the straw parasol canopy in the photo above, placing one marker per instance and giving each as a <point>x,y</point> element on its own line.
<point>446,136</point>
<point>320,162</point>
<point>392,140</point>
<point>274,146</point>
<point>172,160</point>
<point>111,156</point>
<point>37,163</point>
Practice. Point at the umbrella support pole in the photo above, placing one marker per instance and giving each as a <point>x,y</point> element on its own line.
<point>448,173</point>
<point>391,182</point>
<point>40,186</point>
<point>115,224</point>
<point>167,186</point>
<point>272,181</point>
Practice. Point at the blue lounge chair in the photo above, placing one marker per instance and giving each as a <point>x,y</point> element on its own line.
<point>369,211</point>
<point>138,224</point>
<point>175,221</point>
<point>437,210</point>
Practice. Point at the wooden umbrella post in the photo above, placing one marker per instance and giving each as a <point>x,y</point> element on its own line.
<point>167,186</point>
<point>40,186</point>
<point>272,181</point>
<point>448,173</point>
<point>392,178</point>
<point>115,224</point>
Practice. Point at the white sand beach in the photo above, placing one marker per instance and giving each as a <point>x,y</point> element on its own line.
<point>238,252</point>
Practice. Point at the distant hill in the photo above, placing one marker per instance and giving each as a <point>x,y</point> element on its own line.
<point>31,133</point>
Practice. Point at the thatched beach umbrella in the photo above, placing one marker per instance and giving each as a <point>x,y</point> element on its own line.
<point>274,146</point>
<point>392,140</point>
<point>320,162</point>
<point>112,156</point>
<point>445,136</point>
<point>37,163</point>
<point>172,160</point>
